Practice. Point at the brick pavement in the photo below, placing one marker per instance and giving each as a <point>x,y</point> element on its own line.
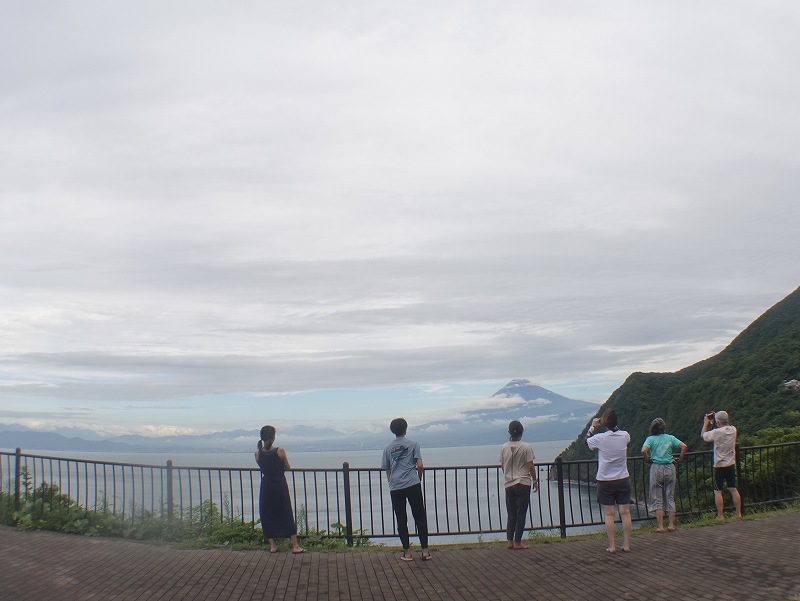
<point>750,560</point>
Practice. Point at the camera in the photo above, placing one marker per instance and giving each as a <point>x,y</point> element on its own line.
<point>711,417</point>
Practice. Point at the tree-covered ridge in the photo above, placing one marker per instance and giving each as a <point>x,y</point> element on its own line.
<point>747,379</point>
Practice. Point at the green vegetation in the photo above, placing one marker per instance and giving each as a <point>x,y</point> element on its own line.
<point>47,508</point>
<point>332,539</point>
<point>746,379</point>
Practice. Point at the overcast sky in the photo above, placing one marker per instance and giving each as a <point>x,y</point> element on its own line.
<point>219,215</point>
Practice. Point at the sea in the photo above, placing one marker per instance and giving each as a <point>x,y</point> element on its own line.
<point>545,452</point>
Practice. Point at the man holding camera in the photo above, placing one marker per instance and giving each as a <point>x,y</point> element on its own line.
<point>723,435</point>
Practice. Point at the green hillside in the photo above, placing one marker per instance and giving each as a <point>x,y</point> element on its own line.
<point>746,379</point>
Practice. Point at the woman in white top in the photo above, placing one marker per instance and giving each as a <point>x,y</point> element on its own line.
<point>613,480</point>
<point>516,459</point>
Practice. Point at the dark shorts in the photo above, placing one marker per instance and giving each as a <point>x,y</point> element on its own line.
<point>614,492</point>
<point>725,475</point>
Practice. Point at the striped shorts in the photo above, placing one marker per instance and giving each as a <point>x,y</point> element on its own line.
<point>662,487</point>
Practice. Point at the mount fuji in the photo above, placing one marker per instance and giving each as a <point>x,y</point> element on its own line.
<point>545,415</point>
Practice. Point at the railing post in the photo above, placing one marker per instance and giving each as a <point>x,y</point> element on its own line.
<point>562,514</point>
<point>18,479</point>
<point>348,505</point>
<point>170,498</point>
<point>739,487</point>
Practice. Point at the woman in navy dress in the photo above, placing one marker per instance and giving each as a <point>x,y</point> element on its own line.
<point>274,504</point>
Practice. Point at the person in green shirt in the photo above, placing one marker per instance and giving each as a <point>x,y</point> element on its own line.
<point>658,450</point>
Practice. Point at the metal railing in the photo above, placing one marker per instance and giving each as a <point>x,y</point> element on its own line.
<point>354,502</point>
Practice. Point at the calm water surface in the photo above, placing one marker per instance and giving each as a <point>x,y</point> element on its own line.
<point>545,451</point>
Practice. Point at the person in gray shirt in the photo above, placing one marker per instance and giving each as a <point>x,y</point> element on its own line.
<point>520,475</point>
<point>402,461</point>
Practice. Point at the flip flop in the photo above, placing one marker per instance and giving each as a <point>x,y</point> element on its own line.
<point>610,550</point>
<point>427,557</point>
<point>271,551</point>
<point>404,557</point>
<point>298,552</point>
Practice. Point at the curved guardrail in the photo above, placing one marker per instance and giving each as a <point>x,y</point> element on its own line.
<point>354,502</point>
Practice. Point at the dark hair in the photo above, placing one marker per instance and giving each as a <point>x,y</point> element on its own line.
<point>658,426</point>
<point>399,426</point>
<point>515,430</point>
<point>609,419</point>
<point>268,436</point>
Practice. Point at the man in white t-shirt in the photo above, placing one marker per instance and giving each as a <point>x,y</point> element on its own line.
<point>723,435</point>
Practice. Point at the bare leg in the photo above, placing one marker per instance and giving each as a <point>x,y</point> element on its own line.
<point>295,547</point>
<point>273,548</point>
<point>660,520</point>
<point>671,521</point>
<point>608,518</point>
<point>737,502</point>
<point>719,501</point>
<point>627,526</point>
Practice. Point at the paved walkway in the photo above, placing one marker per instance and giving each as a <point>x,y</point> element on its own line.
<point>748,560</point>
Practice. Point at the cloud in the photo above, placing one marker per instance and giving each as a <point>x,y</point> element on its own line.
<point>163,430</point>
<point>527,421</point>
<point>435,428</point>
<point>261,203</point>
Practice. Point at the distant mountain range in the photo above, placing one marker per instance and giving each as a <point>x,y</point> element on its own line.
<point>545,415</point>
